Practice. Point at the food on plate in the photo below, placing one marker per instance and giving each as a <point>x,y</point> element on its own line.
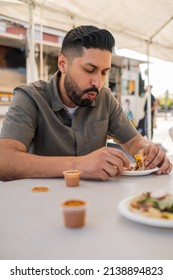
<point>156,204</point>
<point>139,164</point>
<point>40,189</point>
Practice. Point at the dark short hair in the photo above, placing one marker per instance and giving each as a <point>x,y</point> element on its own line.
<point>87,36</point>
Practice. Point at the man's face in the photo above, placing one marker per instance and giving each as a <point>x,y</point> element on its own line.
<point>85,76</point>
<point>76,94</point>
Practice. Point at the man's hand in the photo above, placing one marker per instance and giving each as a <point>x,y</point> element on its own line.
<point>102,164</point>
<point>155,157</point>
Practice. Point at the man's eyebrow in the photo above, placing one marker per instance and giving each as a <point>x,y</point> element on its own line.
<point>92,65</point>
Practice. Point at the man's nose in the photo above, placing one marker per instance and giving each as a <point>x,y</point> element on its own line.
<point>97,81</point>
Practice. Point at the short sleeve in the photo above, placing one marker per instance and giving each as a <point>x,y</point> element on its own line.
<point>21,119</point>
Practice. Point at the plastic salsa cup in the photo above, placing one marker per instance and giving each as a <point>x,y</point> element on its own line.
<point>72,178</point>
<point>74,212</point>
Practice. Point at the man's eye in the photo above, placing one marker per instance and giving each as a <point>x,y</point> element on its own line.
<point>89,71</point>
<point>104,73</point>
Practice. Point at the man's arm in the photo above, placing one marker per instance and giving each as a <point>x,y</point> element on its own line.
<point>16,163</point>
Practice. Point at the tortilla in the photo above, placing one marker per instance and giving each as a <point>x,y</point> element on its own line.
<point>146,205</point>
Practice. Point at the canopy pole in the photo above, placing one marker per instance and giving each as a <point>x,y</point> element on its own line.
<point>41,46</point>
<point>31,45</point>
<point>149,94</point>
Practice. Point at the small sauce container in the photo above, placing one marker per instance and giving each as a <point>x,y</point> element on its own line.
<point>74,212</point>
<point>72,178</point>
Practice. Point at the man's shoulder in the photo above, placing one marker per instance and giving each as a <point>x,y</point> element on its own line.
<point>37,87</point>
<point>36,90</point>
<point>40,87</point>
<point>36,93</point>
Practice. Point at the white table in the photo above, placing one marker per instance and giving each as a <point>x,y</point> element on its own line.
<point>31,224</point>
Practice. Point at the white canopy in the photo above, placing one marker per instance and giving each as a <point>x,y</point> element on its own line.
<point>134,23</point>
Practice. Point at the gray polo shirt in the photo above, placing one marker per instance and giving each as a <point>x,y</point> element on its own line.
<point>38,118</point>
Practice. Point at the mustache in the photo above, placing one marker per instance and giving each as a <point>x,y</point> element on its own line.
<point>91,89</point>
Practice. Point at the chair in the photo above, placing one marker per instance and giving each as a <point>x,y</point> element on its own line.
<point>117,146</point>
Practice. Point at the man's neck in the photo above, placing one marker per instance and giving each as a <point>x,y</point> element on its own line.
<point>63,94</point>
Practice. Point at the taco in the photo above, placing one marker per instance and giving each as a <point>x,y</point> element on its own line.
<point>154,206</point>
<point>139,163</point>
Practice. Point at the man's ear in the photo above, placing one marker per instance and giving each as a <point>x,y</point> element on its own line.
<point>62,63</point>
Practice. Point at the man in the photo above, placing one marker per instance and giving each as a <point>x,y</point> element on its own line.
<point>154,105</point>
<point>143,123</point>
<point>63,124</point>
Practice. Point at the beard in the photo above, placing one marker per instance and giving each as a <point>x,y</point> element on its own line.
<point>75,93</point>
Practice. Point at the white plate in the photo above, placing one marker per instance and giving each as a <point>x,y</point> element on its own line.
<point>139,173</point>
<point>155,222</point>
